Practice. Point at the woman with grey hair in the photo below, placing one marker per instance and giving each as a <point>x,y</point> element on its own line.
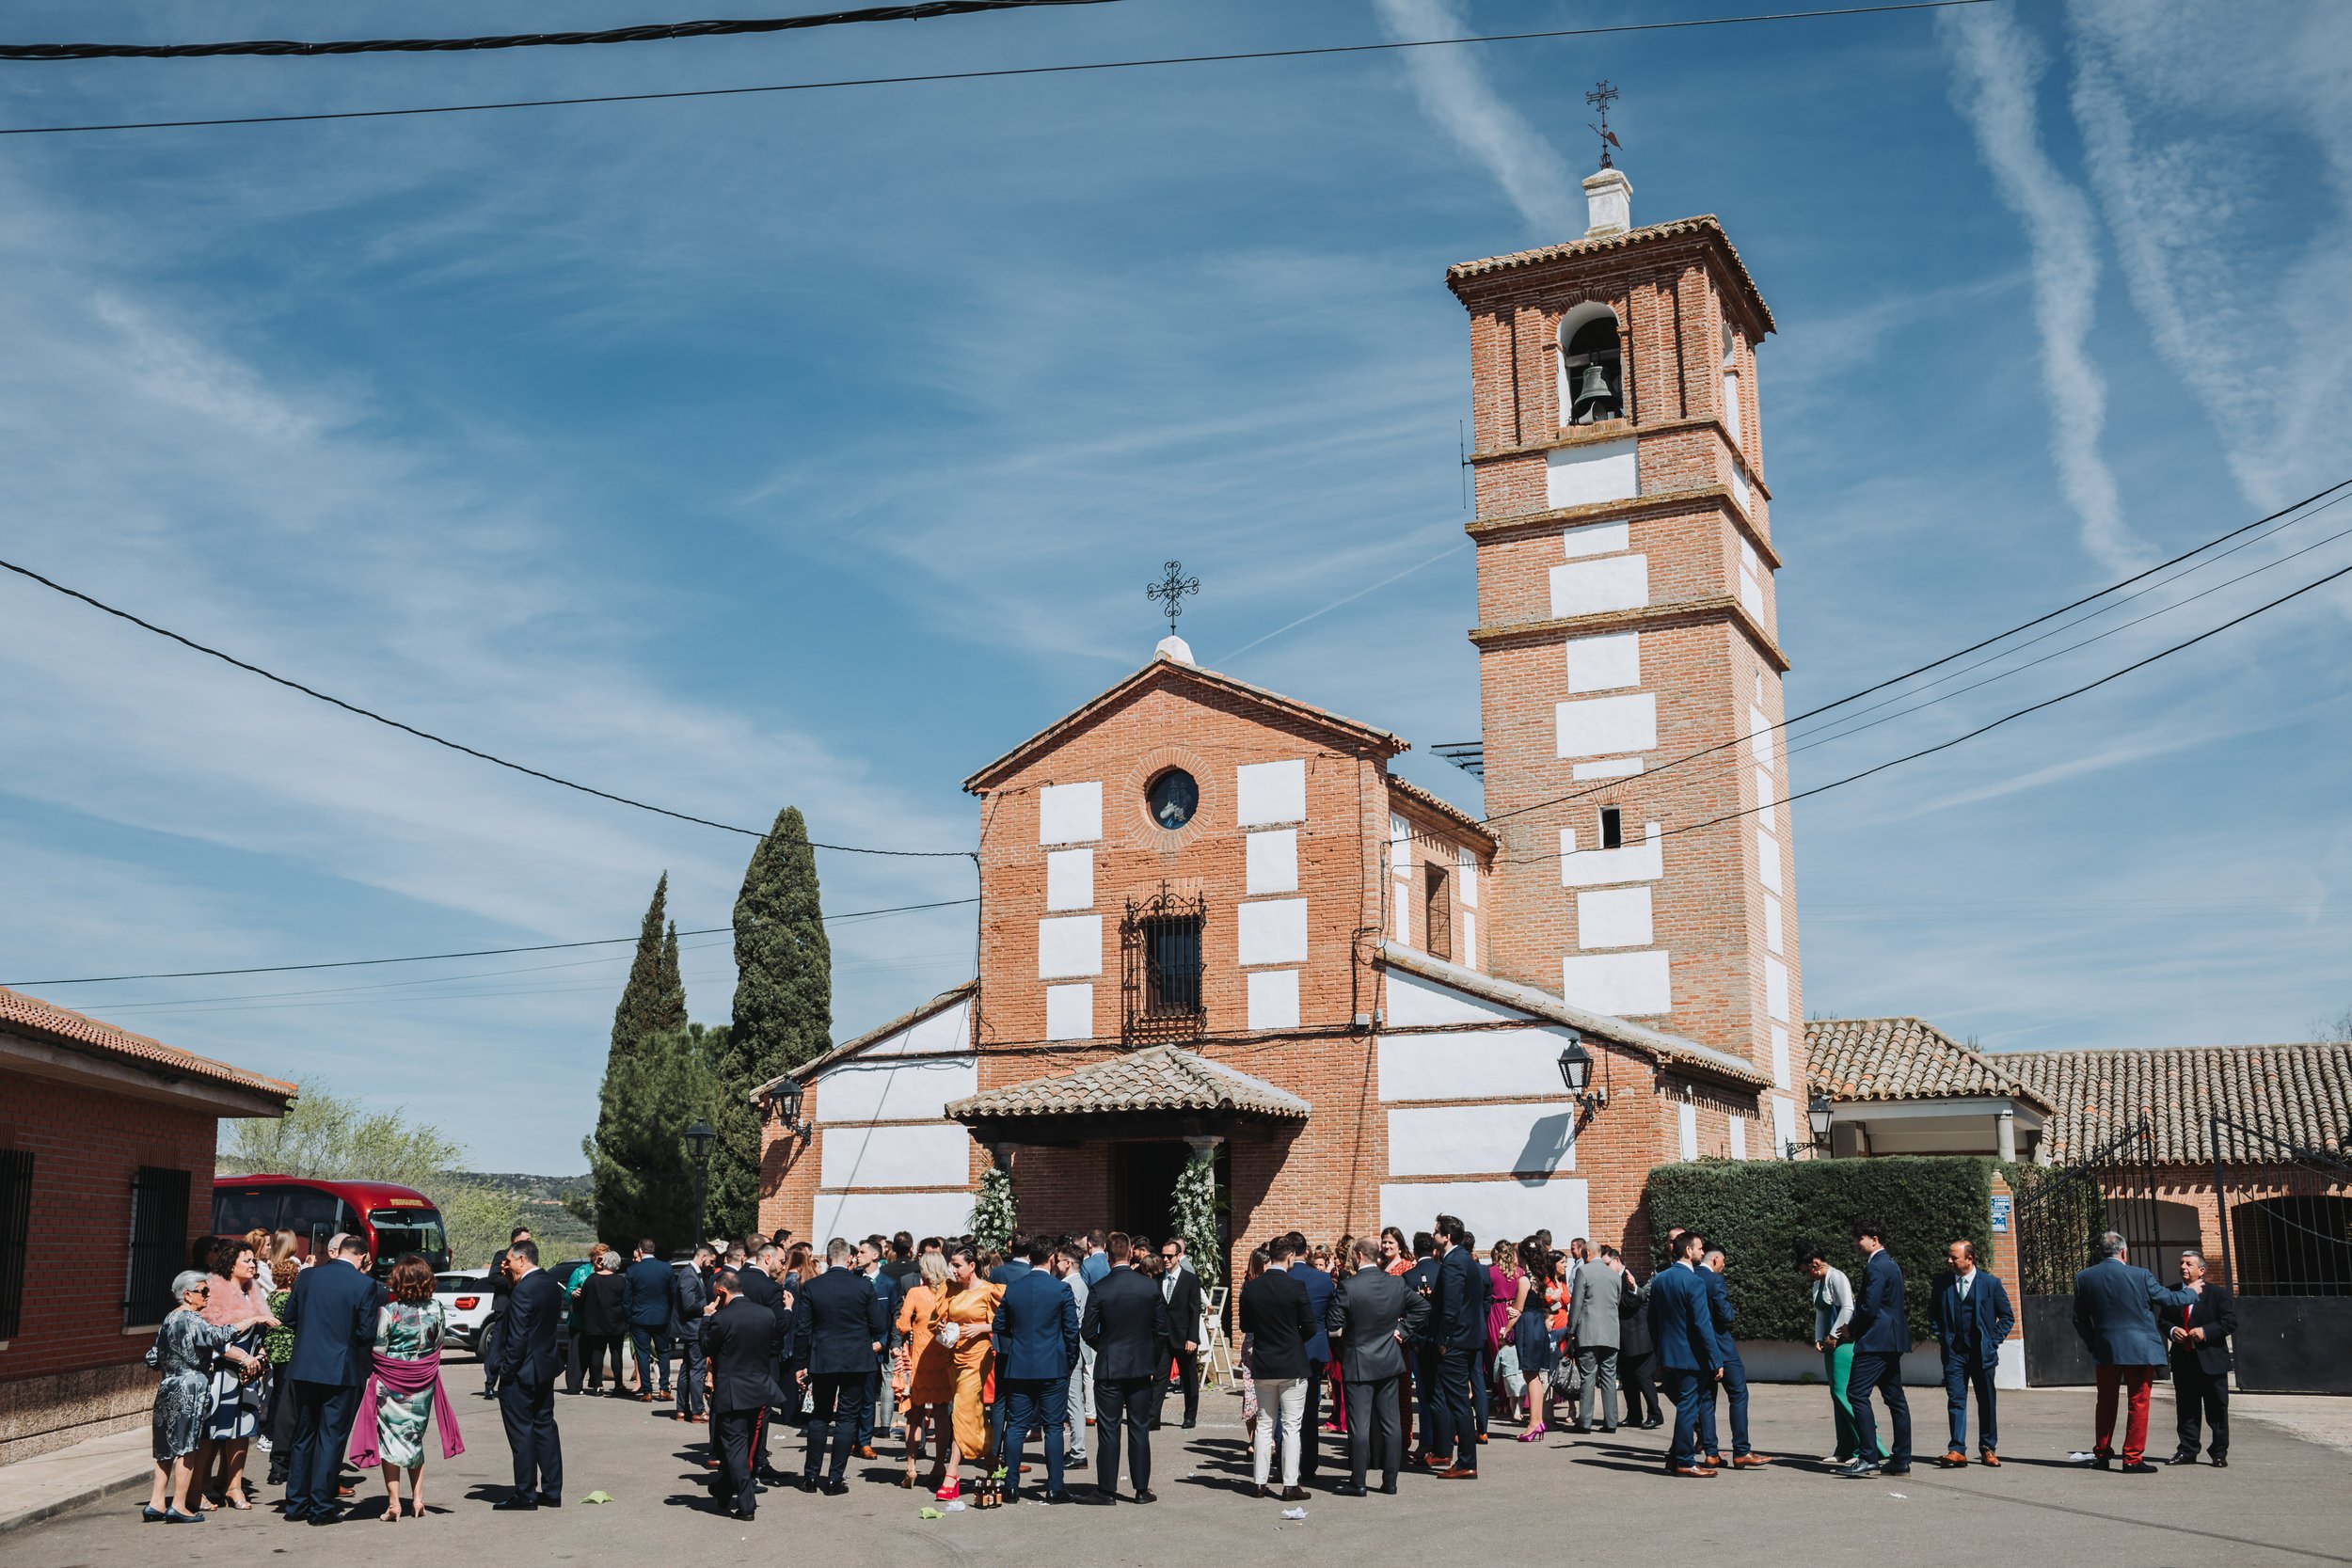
<point>604,1322</point>
<point>185,1351</point>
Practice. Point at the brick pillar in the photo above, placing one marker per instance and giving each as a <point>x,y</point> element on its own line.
<point>2002,1265</point>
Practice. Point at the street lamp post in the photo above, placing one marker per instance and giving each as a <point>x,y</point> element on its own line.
<point>1817,1116</point>
<point>1575,1072</point>
<point>698,1144</point>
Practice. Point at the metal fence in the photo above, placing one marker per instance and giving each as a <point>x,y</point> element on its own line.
<point>2061,1213</point>
<point>2286,1249</point>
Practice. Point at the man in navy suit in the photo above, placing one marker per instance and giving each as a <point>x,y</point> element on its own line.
<point>840,1321</point>
<point>1881,1335</point>
<point>1690,1359</point>
<point>1421,1395</point>
<point>2116,1303</point>
<point>332,1314</point>
<point>1735,1378</point>
<point>2200,1342</point>
<point>1971,1317</point>
<point>1458,1296</point>
<point>1037,1346</point>
<point>872,1256</point>
<point>1320,1288</point>
<point>528,1365</point>
<point>650,1293</point>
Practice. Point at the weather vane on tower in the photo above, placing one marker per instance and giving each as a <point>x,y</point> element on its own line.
<point>1600,98</point>
<point>1171,589</point>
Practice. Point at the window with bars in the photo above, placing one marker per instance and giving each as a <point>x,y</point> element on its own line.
<point>159,1244</point>
<point>1160,972</point>
<point>1436,913</point>
<point>16,1226</point>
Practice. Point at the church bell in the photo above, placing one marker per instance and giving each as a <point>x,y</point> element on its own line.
<point>1594,397</point>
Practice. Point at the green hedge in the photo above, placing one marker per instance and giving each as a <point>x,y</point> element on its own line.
<point>1762,1210</point>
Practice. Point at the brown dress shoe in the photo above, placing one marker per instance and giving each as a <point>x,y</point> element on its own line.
<point>1456,1472</point>
<point>1954,1461</point>
<point>1991,1458</point>
<point>867,1451</point>
<point>1749,1462</point>
<point>1699,1472</point>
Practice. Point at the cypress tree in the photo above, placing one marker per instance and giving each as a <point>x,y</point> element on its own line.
<point>783,1006</point>
<point>641,1081</point>
<point>643,1008</point>
<point>670,1010</point>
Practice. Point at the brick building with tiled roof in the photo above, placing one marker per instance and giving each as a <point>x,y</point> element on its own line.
<point>106,1144</point>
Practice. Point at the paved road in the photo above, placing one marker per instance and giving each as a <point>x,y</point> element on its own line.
<point>2283,1500</point>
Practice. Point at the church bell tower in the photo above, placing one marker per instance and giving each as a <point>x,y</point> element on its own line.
<point>1627,623</point>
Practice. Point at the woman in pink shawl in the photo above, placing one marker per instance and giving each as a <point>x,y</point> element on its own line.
<point>404,1388</point>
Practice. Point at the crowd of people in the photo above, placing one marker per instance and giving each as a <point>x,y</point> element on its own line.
<point>1408,1352</point>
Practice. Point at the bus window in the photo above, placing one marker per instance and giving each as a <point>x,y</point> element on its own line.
<point>314,1216</point>
<point>417,1231</point>
<point>238,1210</point>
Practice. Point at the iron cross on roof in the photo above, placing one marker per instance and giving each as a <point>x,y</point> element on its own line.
<point>1171,589</point>
<point>1602,95</point>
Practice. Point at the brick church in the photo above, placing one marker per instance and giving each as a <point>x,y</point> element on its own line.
<point>1213,919</point>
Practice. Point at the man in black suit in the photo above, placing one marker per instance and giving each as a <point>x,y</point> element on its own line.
<point>738,1342</point>
<point>1458,1300</point>
<point>1180,1288</point>
<point>693,1304</point>
<point>1126,1322</point>
<point>1371,1316</point>
<point>1279,1322</point>
<point>501,1283</point>
<point>332,1314</point>
<point>528,1365</point>
<point>1420,1276</point>
<point>2198,1339</point>
<point>841,1321</point>
<point>756,1283</point>
<point>1320,1286</point>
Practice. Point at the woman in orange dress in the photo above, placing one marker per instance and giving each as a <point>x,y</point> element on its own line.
<point>929,1384</point>
<point>967,1324</point>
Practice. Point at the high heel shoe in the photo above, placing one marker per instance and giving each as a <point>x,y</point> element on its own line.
<point>1532,1434</point>
<point>951,1492</point>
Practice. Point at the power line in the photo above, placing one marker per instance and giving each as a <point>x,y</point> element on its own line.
<point>190,642</point>
<point>652,33</point>
<point>989,74</point>
<point>1936,663</point>
<point>469,953</point>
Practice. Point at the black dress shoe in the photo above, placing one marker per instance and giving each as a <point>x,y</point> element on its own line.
<point>1608,1432</point>
<point>1349,1489</point>
<point>1264,1492</point>
<point>332,1516</point>
<point>1145,1494</point>
<point>835,1489</point>
<point>1190,1423</point>
<point>1388,1489</point>
<point>2140,1468</point>
<point>2102,1463</point>
<point>1902,1469</point>
<point>1106,1495</point>
<point>2181,1459</point>
<point>548,1499</point>
<point>2219,1463</point>
<point>1061,1496</point>
<point>516,1504</point>
<point>1654,1423</point>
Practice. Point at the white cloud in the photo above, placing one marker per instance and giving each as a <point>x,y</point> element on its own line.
<point>1456,94</point>
<point>1995,70</point>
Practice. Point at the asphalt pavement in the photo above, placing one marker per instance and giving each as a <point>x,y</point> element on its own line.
<point>2283,1500</point>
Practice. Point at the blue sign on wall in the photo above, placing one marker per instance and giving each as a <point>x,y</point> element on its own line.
<point>2000,1214</point>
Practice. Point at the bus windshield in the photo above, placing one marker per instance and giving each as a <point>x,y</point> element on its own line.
<point>401,1230</point>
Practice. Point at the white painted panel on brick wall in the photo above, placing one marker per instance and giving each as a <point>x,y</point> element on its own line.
<point>1482,1140</point>
<point>1635,863</point>
<point>1578,476</point>
<point>1069,879</point>
<point>1616,767</point>
<point>1415,1003</point>
<point>1767,794</point>
<point>1606,662</point>
<point>1069,1012</point>
<point>948,1029</point>
<point>884,1213</point>
<point>1068,944</point>
<point>1273,861</point>
<point>939,1155</point>
<point>1613,917</point>
<point>1467,955</point>
<point>1069,814</point>
<point>1771,923</point>
<point>1478,1064</point>
<point>1739,1137</point>
<point>1761,736</point>
<point>1731,409</point>
<point>1687,1129</point>
<point>1560,1205</point>
<point>1590,587</point>
<point>1780,1057</point>
<point>1273,932</point>
<point>1403,905</point>
<point>1596,539</point>
<point>1768,860</point>
<point>1273,999</point>
<point>891,1091</point>
<point>1601,726</point>
<point>1749,562</point>
<point>1623,985</point>
<point>1467,859</point>
<point>1270,792</point>
<point>1752,598</point>
<point>1740,483</point>
<point>1777,989</point>
<point>1784,1123</point>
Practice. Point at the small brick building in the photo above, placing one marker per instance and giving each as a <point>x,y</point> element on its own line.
<point>106,1142</point>
<point>1212,918</point>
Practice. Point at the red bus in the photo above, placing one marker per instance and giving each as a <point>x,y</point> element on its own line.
<point>394,1219</point>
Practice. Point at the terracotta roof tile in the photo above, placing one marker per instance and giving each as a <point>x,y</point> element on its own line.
<point>30,1016</point>
<point>2299,1093</point>
<point>1162,1078</point>
<point>1704,226</point>
<point>1900,1058</point>
<point>1446,809</point>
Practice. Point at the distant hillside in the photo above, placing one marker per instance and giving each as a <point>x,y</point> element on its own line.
<point>537,1201</point>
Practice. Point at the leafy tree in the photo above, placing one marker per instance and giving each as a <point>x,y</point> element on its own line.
<point>644,1178</point>
<point>783,1006</point>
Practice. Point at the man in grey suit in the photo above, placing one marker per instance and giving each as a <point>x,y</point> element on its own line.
<point>2116,1303</point>
<point>1596,1292</point>
<point>1372,1315</point>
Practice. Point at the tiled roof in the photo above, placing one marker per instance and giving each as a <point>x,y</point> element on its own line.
<point>1164,1078</point>
<point>1446,809</point>
<point>30,1016</point>
<point>807,1071</point>
<point>2299,1093</point>
<point>1705,226</point>
<point>1900,1058</point>
<point>1163,668</point>
<point>1672,1050</point>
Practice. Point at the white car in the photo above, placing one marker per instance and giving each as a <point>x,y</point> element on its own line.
<point>465,1298</point>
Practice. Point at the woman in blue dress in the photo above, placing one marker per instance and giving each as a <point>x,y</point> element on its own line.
<point>187,1352</point>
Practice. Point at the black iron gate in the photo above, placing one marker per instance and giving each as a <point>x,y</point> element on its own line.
<point>2061,1213</point>
<point>2286,1249</point>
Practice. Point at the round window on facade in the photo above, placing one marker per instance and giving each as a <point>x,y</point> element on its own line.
<point>1171,799</point>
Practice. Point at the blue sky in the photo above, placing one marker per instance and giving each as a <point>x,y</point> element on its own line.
<point>817,448</point>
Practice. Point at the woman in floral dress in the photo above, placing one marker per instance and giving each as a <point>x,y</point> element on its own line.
<point>404,1392</point>
<point>186,1350</point>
